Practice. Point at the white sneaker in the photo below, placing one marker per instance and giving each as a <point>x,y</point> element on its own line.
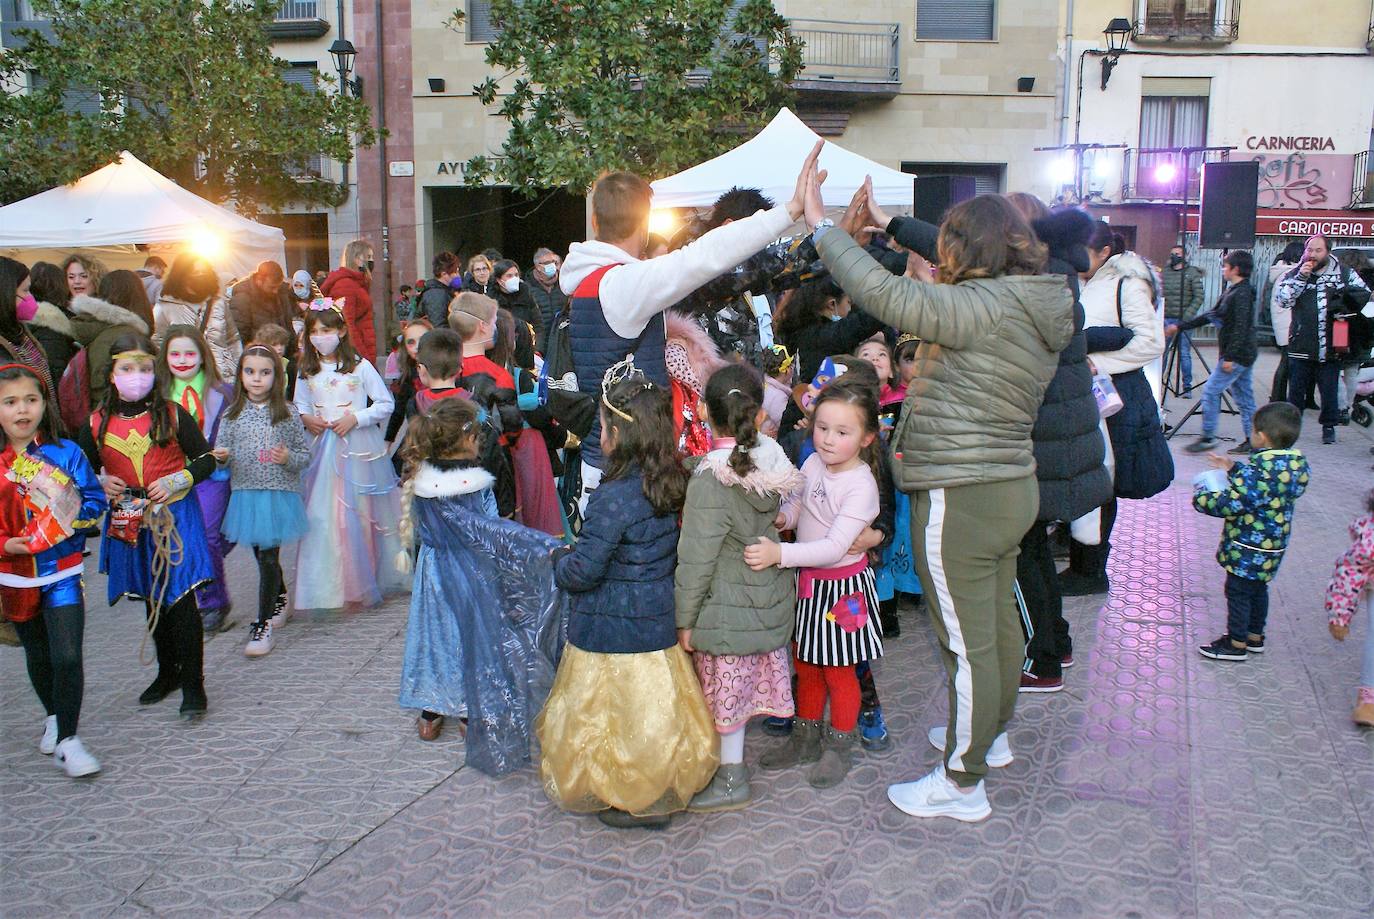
<point>74,759</point>
<point>49,741</point>
<point>281,613</point>
<point>260,641</point>
<point>999,754</point>
<point>934,795</point>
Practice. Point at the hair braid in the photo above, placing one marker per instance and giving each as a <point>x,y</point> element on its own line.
<point>406,526</point>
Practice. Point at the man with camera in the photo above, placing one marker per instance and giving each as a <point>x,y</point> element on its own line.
<point>1316,289</point>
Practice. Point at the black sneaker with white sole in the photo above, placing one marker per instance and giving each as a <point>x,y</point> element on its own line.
<point>1223,650</point>
<point>1255,645</point>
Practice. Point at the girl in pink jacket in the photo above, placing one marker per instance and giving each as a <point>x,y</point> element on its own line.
<point>1351,586</point>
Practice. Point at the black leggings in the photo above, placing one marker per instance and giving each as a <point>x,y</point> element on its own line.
<point>52,650</point>
<point>270,581</point>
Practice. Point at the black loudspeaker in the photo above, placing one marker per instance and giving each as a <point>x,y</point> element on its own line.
<point>1230,192</point>
<point>937,194</point>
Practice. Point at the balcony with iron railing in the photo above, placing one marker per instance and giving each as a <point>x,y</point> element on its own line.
<point>1362,190</point>
<point>298,19</point>
<point>849,58</point>
<point>1202,22</point>
<point>1161,176</point>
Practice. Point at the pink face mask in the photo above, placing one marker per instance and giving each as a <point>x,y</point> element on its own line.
<point>134,385</point>
<point>26,308</point>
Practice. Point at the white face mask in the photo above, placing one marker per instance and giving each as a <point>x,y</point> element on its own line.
<point>302,292</point>
<point>511,285</point>
<point>325,344</point>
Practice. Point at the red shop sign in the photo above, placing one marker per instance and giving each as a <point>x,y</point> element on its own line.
<point>1339,224</point>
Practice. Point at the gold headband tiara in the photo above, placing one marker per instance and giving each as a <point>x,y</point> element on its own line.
<point>130,355</point>
<point>618,373</point>
<point>787,357</point>
<point>906,337</point>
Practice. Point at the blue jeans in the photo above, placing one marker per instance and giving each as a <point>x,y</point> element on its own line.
<point>1238,381</point>
<point>1185,353</point>
<point>1247,607</point>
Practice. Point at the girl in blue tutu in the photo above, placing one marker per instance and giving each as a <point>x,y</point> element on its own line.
<point>262,442</point>
<point>151,454</point>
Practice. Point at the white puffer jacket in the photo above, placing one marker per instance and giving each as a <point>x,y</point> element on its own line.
<point>1136,280</point>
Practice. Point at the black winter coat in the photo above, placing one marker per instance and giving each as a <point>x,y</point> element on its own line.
<point>1067,439</point>
<point>522,306</point>
<point>620,573</point>
<point>1235,311</point>
<point>433,303</point>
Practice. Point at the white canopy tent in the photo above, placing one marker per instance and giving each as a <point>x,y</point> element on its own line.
<point>770,161</point>
<point>107,212</point>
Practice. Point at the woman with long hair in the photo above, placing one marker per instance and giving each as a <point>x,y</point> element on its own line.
<point>1125,335</point>
<point>50,324</point>
<point>991,329</point>
<point>17,306</point>
<point>191,295</point>
<point>351,283</point>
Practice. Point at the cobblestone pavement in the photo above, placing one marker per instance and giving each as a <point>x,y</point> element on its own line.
<point>1157,784</point>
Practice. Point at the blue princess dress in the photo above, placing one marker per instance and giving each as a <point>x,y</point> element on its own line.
<point>486,621</point>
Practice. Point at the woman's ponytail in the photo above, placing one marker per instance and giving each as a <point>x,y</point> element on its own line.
<point>733,397</point>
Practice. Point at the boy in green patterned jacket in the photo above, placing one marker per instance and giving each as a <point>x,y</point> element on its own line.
<point>1257,506</point>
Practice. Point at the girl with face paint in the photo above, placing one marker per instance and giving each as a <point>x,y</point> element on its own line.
<point>187,376</point>
<point>347,560</point>
<point>151,452</point>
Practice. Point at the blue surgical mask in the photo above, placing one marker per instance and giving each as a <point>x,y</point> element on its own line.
<point>550,270</point>
<point>456,283</point>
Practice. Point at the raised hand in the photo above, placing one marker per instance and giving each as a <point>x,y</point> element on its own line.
<point>797,205</point>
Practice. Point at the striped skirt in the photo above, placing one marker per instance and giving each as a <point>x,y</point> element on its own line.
<point>837,616</point>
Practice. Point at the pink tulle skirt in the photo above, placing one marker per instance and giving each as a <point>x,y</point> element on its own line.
<point>739,686</point>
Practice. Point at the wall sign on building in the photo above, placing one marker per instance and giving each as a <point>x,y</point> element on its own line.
<point>1289,143</point>
<point>1338,224</point>
<point>1313,181</point>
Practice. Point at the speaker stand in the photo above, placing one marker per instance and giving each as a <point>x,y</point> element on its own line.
<point>1173,382</point>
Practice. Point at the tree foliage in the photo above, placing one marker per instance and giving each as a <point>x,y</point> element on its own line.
<point>188,86</point>
<point>649,86</point>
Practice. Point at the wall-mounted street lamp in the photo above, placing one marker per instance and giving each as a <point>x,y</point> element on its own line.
<point>1118,33</point>
<point>343,53</point>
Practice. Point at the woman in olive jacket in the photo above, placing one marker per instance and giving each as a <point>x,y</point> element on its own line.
<point>991,332</point>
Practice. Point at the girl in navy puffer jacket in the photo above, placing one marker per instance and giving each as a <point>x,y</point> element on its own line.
<point>626,732</point>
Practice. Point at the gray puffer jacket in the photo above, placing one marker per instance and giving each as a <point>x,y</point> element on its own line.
<point>989,348</point>
<point>730,608</point>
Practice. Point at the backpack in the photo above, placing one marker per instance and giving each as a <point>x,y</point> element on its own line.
<point>499,416</point>
<point>558,390</point>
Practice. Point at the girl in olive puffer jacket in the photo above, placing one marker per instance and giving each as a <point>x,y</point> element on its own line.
<point>736,621</point>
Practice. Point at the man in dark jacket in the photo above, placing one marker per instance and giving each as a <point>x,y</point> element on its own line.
<point>438,292</point>
<point>1182,297</point>
<point>262,298</point>
<point>546,292</point>
<point>1237,348</point>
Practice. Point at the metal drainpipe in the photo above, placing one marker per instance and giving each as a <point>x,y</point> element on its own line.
<point>382,174</point>
<point>1068,72</point>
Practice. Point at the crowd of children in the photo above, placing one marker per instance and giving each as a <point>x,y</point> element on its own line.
<point>741,555</point>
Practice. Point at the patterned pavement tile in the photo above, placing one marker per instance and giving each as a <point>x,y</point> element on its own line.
<point>1155,784</point>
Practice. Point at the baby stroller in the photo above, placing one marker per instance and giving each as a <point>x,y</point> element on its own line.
<point>1360,409</point>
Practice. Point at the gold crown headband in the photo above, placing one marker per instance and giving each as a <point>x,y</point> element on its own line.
<point>906,337</point>
<point>618,373</point>
<point>130,355</point>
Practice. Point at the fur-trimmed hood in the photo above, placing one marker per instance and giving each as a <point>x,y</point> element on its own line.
<point>702,353</point>
<point>105,312</point>
<point>773,475</point>
<point>1129,265</point>
<point>432,482</point>
<point>52,318</point>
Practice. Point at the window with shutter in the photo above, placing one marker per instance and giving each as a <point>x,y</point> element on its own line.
<point>304,76</point>
<point>956,20</point>
<point>480,26</point>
